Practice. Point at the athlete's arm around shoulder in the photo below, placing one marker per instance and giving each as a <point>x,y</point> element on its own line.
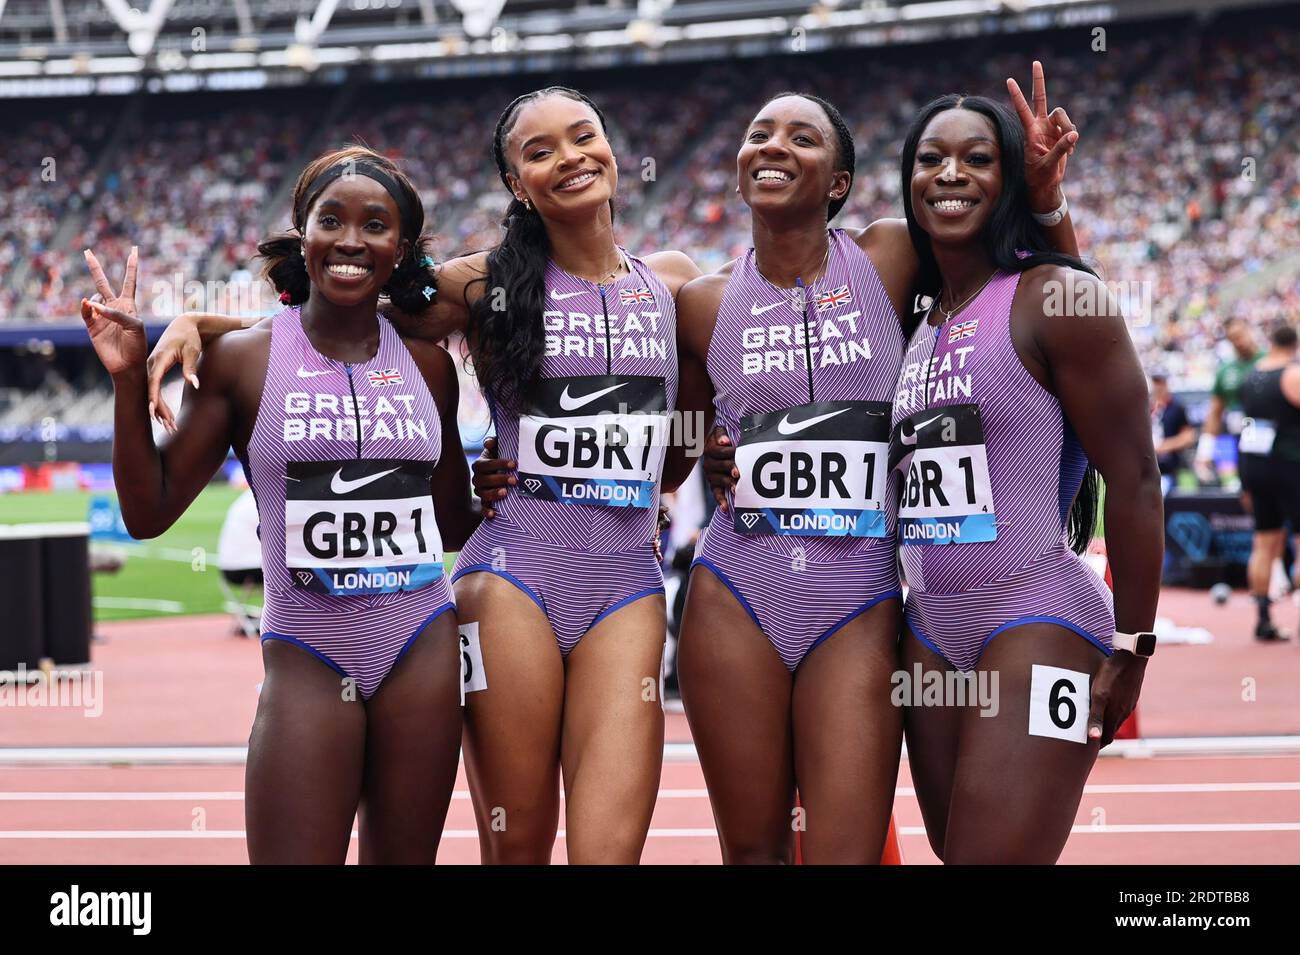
<point>156,485</point>
<point>1083,354</point>
<point>889,247</point>
<point>450,483</point>
<point>697,314</point>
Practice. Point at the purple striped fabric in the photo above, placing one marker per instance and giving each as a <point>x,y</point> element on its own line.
<point>580,562</point>
<point>800,589</point>
<point>575,588</point>
<point>960,594</point>
<point>360,636</point>
<point>644,339</point>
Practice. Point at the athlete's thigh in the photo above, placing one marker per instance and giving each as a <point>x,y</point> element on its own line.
<point>737,694</point>
<point>306,754</point>
<point>512,728</point>
<point>847,737</point>
<point>413,726</point>
<point>613,740</point>
<point>931,733</point>
<point>1015,793</point>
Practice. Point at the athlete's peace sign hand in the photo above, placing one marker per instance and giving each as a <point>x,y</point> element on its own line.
<point>720,466</point>
<point>115,330</point>
<point>1050,139</point>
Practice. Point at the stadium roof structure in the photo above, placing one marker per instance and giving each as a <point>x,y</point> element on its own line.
<point>75,47</point>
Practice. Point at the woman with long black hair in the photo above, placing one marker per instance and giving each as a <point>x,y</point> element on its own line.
<point>1012,391</point>
<point>560,597</point>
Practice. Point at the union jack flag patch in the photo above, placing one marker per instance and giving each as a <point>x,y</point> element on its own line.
<point>381,379</point>
<point>962,330</point>
<point>635,296</point>
<point>834,298</point>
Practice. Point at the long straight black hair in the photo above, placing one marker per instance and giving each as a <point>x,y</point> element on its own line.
<point>507,340</point>
<point>1015,243</point>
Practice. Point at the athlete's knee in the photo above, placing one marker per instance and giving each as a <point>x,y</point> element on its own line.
<point>757,855</point>
<point>516,848</point>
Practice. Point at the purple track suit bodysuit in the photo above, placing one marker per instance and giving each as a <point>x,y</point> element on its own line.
<point>340,461</point>
<point>576,533</point>
<point>803,384</point>
<point>991,470</point>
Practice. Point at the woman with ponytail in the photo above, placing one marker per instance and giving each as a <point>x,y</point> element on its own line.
<point>347,434</point>
<point>560,596</point>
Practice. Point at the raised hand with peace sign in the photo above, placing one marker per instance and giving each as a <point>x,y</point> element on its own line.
<point>1050,139</point>
<point>115,329</point>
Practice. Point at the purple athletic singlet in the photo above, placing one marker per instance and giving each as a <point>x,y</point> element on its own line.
<point>809,542</point>
<point>991,469</point>
<point>576,533</point>
<point>339,461</point>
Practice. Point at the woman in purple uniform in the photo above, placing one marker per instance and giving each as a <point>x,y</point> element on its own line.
<point>1022,376</point>
<point>560,598</point>
<point>347,434</point>
<point>789,642</point>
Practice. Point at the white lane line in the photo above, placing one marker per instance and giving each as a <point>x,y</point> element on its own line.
<point>673,752</point>
<point>228,796</point>
<point>461,794</point>
<point>703,833</point>
<point>139,603</point>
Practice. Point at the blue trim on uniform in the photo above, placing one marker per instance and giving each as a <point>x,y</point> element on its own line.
<point>845,620</point>
<point>418,630</point>
<point>910,624</point>
<point>717,572</point>
<point>624,602</point>
<point>488,568</point>
<point>267,635</point>
<point>1059,621</point>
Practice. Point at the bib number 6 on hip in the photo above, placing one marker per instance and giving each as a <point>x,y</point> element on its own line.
<point>360,527</point>
<point>947,496</point>
<point>596,439</point>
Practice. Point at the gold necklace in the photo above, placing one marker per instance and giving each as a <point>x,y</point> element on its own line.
<point>798,293</point>
<point>609,275</point>
<point>948,313</point>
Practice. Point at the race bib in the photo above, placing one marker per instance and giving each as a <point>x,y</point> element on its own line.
<point>947,497</point>
<point>815,470</point>
<point>1257,437</point>
<point>360,527</point>
<point>1058,703</point>
<point>598,439</point>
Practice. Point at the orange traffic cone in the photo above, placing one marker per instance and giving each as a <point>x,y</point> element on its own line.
<point>893,854</point>
<point>1129,728</point>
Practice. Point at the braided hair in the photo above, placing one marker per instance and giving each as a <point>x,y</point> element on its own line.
<point>507,340</point>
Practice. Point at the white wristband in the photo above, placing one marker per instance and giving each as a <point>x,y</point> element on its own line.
<point>1205,447</point>
<point>1054,217</point>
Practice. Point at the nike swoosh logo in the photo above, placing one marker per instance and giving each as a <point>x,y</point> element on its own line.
<point>561,296</point>
<point>785,427</point>
<point>911,439</point>
<point>304,373</point>
<point>570,403</point>
<point>755,310</point>
<point>341,485</point>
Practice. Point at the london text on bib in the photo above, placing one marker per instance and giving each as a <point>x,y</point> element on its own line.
<point>947,498</point>
<point>360,527</point>
<point>815,470</point>
<point>596,439</point>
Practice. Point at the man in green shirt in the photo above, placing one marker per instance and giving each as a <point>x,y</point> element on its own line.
<point>1224,415</point>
